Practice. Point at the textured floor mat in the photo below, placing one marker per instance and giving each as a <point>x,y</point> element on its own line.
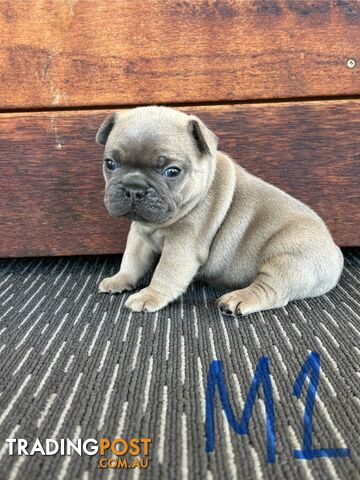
<point>75,363</point>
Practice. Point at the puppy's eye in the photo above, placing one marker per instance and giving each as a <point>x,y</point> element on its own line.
<point>110,164</point>
<point>172,172</point>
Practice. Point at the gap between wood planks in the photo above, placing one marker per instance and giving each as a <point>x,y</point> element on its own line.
<point>207,103</point>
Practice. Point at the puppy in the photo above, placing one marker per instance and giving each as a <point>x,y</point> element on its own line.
<point>197,214</point>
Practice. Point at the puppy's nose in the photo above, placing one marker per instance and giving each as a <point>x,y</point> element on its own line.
<point>135,191</point>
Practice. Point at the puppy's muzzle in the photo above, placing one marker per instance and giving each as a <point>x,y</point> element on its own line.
<point>135,191</point>
<point>134,197</point>
<point>130,192</point>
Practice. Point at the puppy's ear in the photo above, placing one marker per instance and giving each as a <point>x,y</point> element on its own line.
<point>205,139</point>
<point>105,129</point>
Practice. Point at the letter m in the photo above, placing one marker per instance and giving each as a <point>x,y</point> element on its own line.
<point>216,380</point>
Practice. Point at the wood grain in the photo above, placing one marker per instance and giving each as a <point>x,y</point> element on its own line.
<point>51,184</point>
<point>127,52</point>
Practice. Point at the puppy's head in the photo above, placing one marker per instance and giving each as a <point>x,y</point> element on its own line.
<point>157,162</point>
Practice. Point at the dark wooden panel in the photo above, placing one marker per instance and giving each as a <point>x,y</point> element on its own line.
<point>51,184</point>
<point>117,52</point>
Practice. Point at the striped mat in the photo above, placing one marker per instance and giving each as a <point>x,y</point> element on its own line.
<point>76,364</point>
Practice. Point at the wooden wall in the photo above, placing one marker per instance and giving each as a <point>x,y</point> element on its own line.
<point>278,81</point>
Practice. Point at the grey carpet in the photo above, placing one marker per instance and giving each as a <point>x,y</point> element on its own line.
<point>75,363</point>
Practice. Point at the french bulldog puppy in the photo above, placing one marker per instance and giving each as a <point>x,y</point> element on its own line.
<point>197,214</point>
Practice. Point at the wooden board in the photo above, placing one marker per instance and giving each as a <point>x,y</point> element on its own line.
<point>51,184</point>
<point>126,52</point>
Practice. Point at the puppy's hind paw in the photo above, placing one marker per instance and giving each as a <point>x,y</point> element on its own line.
<point>247,300</point>
<point>239,302</point>
<point>225,309</point>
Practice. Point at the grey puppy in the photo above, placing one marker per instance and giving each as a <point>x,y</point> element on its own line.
<point>197,214</point>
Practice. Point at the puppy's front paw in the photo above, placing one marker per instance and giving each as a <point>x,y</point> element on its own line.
<point>115,284</point>
<point>147,300</point>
